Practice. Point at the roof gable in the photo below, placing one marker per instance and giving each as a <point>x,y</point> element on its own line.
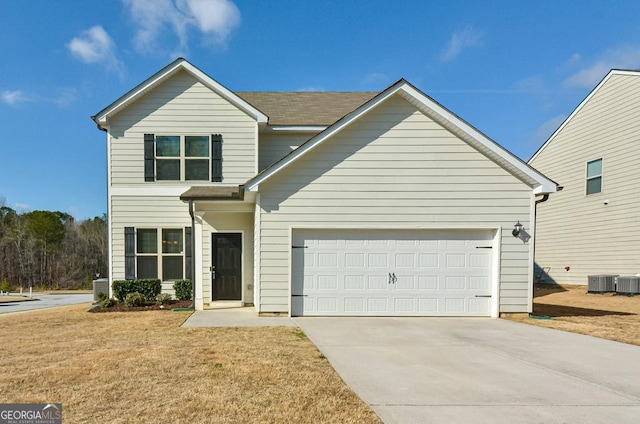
<point>102,117</point>
<point>581,106</point>
<point>439,114</point>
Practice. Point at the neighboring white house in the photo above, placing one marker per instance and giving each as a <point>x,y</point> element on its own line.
<point>591,226</point>
<point>316,203</point>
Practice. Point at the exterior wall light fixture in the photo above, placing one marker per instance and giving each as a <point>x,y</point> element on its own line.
<point>516,229</point>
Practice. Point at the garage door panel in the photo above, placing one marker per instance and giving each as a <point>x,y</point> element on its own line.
<point>392,273</point>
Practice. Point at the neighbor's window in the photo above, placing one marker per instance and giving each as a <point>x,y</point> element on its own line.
<point>594,176</point>
<point>164,257</point>
<point>183,158</point>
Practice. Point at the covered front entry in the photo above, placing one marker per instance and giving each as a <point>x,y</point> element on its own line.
<point>226,266</point>
<point>392,272</point>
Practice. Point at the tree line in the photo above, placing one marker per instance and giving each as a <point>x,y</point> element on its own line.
<point>50,250</point>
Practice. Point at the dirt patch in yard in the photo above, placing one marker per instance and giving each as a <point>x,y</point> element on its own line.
<point>139,367</point>
<point>571,308</point>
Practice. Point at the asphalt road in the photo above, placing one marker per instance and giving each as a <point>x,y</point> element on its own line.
<point>46,301</point>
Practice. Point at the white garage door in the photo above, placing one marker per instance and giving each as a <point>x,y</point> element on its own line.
<point>392,272</point>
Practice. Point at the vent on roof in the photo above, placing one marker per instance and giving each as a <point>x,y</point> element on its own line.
<point>602,283</point>
<point>628,285</point>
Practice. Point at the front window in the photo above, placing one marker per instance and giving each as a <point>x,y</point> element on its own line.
<point>172,254</point>
<point>594,176</point>
<point>160,257</point>
<point>183,158</point>
<point>147,253</point>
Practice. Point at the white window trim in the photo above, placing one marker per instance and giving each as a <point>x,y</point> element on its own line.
<point>182,157</point>
<point>588,178</point>
<point>159,254</point>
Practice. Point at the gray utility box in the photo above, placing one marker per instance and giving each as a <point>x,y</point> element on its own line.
<point>628,285</point>
<point>602,283</point>
<point>100,286</point>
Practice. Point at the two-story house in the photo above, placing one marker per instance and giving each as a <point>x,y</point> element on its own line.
<point>316,203</point>
<point>591,226</point>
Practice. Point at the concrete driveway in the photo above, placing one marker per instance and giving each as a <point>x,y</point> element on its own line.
<point>457,370</point>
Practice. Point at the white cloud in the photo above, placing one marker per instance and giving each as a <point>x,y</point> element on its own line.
<point>529,85</point>
<point>311,88</point>
<point>22,207</point>
<point>14,97</point>
<point>65,96</point>
<point>459,41</point>
<point>625,57</point>
<point>375,78</point>
<point>95,46</point>
<point>213,19</point>
<point>544,131</point>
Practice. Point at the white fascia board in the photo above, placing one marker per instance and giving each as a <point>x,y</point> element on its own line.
<point>252,184</point>
<point>102,116</point>
<point>298,128</point>
<point>444,115</point>
<point>581,105</point>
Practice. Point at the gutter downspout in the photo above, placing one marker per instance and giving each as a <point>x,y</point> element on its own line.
<point>544,198</point>
<point>193,254</point>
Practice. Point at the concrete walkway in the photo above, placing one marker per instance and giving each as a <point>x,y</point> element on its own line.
<point>456,370</point>
<point>235,317</point>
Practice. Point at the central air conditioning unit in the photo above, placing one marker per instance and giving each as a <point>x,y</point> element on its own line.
<point>602,283</point>
<point>628,285</point>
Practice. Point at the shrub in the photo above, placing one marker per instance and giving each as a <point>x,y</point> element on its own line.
<point>182,289</point>
<point>163,299</point>
<point>121,288</point>
<point>102,296</point>
<point>135,299</point>
<point>148,288</point>
<point>5,286</point>
<point>107,302</point>
<point>88,283</point>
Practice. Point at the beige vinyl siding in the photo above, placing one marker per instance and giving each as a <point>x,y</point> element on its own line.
<point>394,168</point>
<point>274,145</point>
<point>580,231</point>
<point>229,222</point>
<point>143,212</point>
<point>181,105</point>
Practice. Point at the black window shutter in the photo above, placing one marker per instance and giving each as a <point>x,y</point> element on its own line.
<point>216,157</point>
<point>129,253</point>
<point>149,157</point>
<point>188,256</point>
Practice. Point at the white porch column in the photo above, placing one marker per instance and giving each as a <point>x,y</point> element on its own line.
<point>197,256</point>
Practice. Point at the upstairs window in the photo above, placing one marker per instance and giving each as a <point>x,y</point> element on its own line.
<point>594,176</point>
<point>183,158</point>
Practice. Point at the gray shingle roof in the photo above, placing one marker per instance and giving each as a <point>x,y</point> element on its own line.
<point>305,108</point>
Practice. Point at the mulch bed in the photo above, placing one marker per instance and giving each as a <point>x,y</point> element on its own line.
<point>121,307</point>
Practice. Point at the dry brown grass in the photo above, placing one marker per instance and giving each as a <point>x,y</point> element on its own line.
<point>142,367</point>
<point>601,315</point>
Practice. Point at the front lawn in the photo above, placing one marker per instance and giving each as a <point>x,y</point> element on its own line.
<point>143,367</point>
<point>571,308</point>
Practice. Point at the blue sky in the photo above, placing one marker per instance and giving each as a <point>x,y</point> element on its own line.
<point>513,69</point>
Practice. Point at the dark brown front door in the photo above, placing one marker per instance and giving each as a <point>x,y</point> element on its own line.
<point>226,272</point>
